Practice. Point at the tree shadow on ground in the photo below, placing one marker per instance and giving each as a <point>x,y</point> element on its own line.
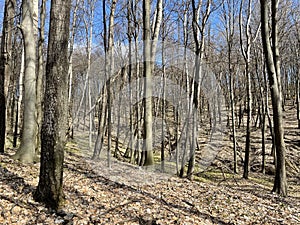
<point>110,185</point>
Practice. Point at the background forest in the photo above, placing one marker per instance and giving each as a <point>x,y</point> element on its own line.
<point>150,112</point>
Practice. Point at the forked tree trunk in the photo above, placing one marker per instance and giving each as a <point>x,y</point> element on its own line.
<point>246,52</point>
<point>199,28</point>
<point>273,67</point>
<point>53,135</point>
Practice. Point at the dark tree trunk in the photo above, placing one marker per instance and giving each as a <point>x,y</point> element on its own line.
<point>273,67</point>
<point>53,134</point>
<point>263,138</point>
<point>248,132</point>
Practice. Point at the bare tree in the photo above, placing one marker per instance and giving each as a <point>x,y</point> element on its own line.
<point>296,47</point>
<point>147,101</point>
<point>149,62</point>
<point>229,14</point>
<point>53,135</point>
<point>271,51</point>
<point>105,106</point>
<point>199,28</point>
<point>27,150</point>
<point>40,73</point>
<point>246,44</point>
<point>73,30</point>
<point>5,65</point>
<point>109,68</point>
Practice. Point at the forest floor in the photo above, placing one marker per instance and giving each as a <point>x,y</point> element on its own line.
<point>127,194</point>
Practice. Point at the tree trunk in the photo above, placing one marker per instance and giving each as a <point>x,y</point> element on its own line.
<point>232,107</point>
<point>163,107</point>
<point>40,74</point>
<point>148,152</point>
<point>109,72</point>
<point>27,151</point>
<point>272,58</point>
<point>130,73</point>
<point>246,52</point>
<point>5,64</point>
<point>88,25</point>
<point>248,131</point>
<point>298,97</point>
<point>53,135</point>
<point>19,96</point>
<point>101,128</point>
<point>199,28</point>
<point>263,138</point>
<point>90,115</point>
<point>70,72</point>
<point>229,18</point>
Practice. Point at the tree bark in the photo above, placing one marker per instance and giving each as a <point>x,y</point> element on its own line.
<point>5,70</point>
<point>148,152</point>
<point>109,72</point>
<point>273,67</point>
<point>229,17</point>
<point>246,52</point>
<point>27,150</point>
<point>19,97</point>
<point>73,30</point>
<point>40,74</point>
<point>53,135</point>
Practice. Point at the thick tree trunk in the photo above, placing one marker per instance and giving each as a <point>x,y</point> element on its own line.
<point>53,135</point>
<point>148,152</point>
<point>27,151</point>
